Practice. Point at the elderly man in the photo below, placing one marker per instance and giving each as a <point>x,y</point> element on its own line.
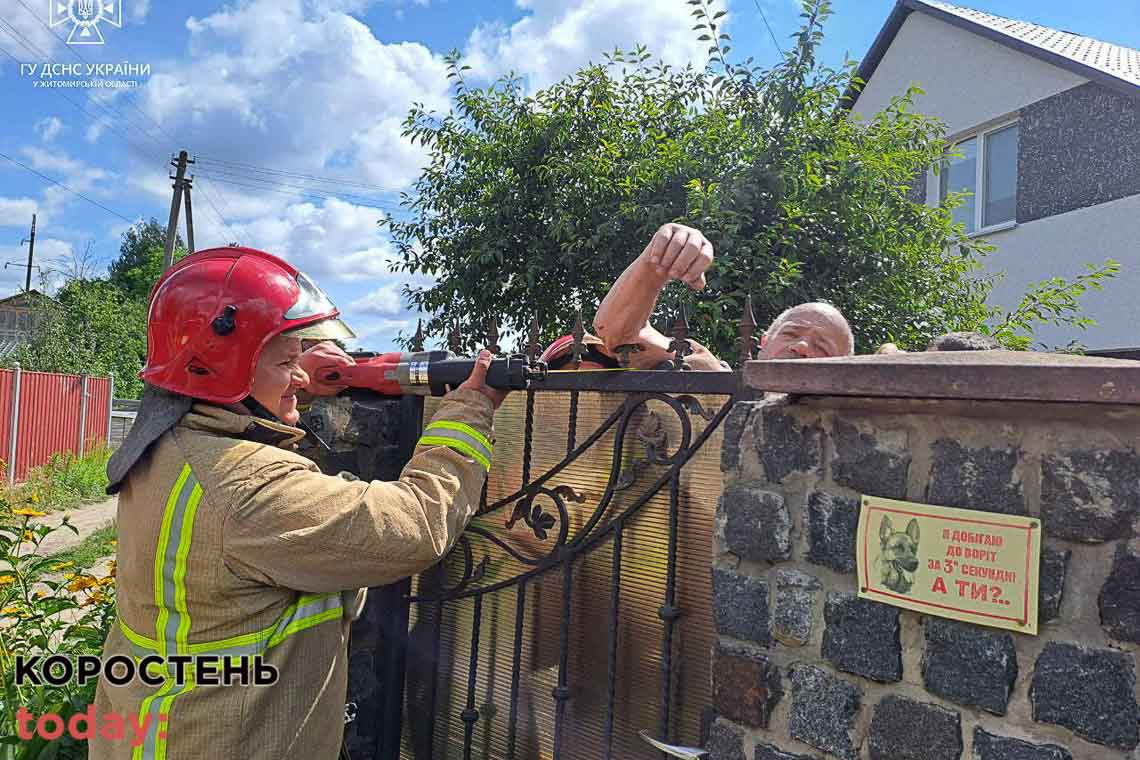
<point>677,252</point>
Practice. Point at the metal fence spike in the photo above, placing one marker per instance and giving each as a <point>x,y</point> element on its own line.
<point>533,349</point>
<point>493,336</point>
<point>418,340</point>
<point>579,334</point>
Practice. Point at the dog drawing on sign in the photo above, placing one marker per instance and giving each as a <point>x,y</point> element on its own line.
<point>898,555</point>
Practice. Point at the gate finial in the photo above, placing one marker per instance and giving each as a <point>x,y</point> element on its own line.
<point>680,345</point>
<point>455,338</point>
<point>748,343</point>
<point>579,334</point>
<point>493,336</point>
<point>533,349</point>
<point>418,339</point>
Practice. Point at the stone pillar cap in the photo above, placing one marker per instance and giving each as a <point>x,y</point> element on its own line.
<point>979,375</point>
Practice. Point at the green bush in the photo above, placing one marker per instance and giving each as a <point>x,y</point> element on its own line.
<point>66,612</point>
<point>66,481</point>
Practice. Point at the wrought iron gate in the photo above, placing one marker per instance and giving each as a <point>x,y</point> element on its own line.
<point>556,627</point>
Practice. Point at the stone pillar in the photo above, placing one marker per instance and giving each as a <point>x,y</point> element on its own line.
<point>803,668</point>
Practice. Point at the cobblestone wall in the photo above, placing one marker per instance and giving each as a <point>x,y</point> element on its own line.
<point>805,669</point>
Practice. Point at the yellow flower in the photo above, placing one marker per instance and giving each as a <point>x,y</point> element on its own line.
<point>9,610</point>
<point>28,513</point>
<point>35,497</point>
<point>82,582</point>
<point>29,536</point>
<point>62,566</point>
<point>6,580</point>
<point>106,581</point>
<point>95,598</point>
<point>114,542</point>
<point>39,594</point>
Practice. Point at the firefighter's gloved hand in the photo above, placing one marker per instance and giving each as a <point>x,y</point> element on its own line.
<point>325,355</point>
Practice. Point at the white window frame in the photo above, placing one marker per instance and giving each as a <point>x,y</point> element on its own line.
<point>980,178</point>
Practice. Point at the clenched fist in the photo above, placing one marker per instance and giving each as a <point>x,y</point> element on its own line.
<point>680,253</point>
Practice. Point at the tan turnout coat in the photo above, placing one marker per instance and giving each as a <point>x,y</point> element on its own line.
<point>231,544</point>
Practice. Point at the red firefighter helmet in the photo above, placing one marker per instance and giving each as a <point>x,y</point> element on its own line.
<point>212,313</point>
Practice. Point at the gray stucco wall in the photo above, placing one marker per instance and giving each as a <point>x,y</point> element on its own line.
<point>1077,148</point>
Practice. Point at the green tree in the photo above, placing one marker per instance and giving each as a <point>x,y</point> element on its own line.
<point>141,256</point>
<point>532,204</point>
<point>92,327</point>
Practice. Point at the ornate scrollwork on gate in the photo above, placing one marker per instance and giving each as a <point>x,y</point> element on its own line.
<point>539,511</point>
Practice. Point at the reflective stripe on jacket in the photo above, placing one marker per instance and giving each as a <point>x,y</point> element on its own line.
<point>233,547</point>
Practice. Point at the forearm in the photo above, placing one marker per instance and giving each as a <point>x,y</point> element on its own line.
<point>625,312</point>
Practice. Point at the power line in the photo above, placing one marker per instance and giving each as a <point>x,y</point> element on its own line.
<point>65,187</point>
<point>77,54</point>
<point>298,190</point>
<point>218,213</point>
<point>36,51</point>
<point>295,175</point>
<point>770,32</point>
<point>226,173</point>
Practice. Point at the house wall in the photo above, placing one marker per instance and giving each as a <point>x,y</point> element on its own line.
<point>957,70</point>
<point>1078,165</point>
<point>805,669</point>
<point>1062,245</point>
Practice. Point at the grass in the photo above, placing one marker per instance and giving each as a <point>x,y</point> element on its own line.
<point>65,482</point>
<point>90,550</point>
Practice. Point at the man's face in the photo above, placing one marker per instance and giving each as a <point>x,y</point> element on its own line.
<point>278,378</point>
<point>808,332</point>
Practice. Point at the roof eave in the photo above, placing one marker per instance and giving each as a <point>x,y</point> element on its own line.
<point>903,8</point>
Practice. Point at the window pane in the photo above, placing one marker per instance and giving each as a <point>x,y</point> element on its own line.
<point>1001,176</point>
<point>960,175</point>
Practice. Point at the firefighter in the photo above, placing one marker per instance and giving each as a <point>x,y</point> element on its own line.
<point>231,545</point>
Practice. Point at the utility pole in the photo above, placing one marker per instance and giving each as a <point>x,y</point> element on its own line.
<point>181,183</point>
<point>189,216</point>
<point>31,252</point>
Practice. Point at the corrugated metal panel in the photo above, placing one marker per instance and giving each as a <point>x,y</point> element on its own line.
<point>49,418</point>
<point>50,405</point>
<point>98,396</point>
<point>642,592</point>
<point>6,380</point>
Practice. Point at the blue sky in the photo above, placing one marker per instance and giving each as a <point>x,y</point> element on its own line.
<point>318,88</point>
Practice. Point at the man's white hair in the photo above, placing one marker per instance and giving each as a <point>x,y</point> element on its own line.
<point>787,314</point>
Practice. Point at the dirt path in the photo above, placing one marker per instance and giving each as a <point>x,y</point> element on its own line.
<point>87,519</point>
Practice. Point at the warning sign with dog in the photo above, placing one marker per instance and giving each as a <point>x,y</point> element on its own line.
<point>976,567</point>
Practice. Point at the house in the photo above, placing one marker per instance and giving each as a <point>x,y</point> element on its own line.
<point>1047,123</point>
<point>19,317</point>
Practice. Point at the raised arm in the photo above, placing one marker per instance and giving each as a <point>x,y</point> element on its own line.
<point>675,252</point>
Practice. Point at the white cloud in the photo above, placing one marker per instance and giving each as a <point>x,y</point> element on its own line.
<point>302,87</point>
<point>139,9</point>
<point>17,212</point>
<point>49,128</point>
<point>558,37</point>
<point>383,301</point>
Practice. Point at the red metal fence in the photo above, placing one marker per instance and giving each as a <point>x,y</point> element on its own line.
<point>52,413</point>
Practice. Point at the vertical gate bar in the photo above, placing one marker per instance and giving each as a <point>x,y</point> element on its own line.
<point>528,438</point>
<point>561,692</point>
<point>615,589</point>
<point>470,715</point>
<point>391,665</point>
<point>437,632</point>
<point>573,432</point>
<point>516,666</point>
<point>669,612</point>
